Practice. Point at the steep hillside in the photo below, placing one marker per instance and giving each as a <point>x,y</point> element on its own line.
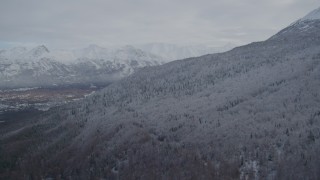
<point>251,113</point>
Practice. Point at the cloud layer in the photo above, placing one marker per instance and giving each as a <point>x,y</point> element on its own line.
<point>77,23</point>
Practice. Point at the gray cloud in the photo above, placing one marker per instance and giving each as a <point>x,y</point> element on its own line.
<point>77,23</point>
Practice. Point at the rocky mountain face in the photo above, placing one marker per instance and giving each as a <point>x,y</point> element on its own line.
<point>250,113</point>
<point>20,67</point>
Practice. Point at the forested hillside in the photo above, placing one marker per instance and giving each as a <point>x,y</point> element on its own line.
<point>250,113</point>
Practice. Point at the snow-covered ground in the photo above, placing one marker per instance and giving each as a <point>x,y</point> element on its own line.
<point>250,113</point>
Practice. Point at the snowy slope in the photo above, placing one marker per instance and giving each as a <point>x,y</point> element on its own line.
<point>20,67</point>
<point>306,26</point>
<point>250,113</point>
<point>314,15</point>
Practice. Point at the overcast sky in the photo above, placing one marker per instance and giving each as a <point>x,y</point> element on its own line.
<point>78,23</point>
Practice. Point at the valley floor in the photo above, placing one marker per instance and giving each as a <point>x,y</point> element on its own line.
<point>41,98</point>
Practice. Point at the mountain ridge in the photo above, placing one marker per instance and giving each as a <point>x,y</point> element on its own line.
<point>249,113</point>
<point>21,67</point>
<point>313,15</point>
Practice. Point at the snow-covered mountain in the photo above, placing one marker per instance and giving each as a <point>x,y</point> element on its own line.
<point>172,52</point>
<point>39,66</point>
<point>250,113</point>
<point>305,27</point>
<point>313,15</point>
<point>20,67</point>
<point>37,52</point>
<point>22,53</point>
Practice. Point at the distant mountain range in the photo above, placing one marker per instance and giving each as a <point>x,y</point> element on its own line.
<point>249,113</point>
<point>22,67</point>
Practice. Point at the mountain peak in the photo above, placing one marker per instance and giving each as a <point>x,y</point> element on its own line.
<point>313,15</point>
<point>39,51</point>
<point>41,48</point>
